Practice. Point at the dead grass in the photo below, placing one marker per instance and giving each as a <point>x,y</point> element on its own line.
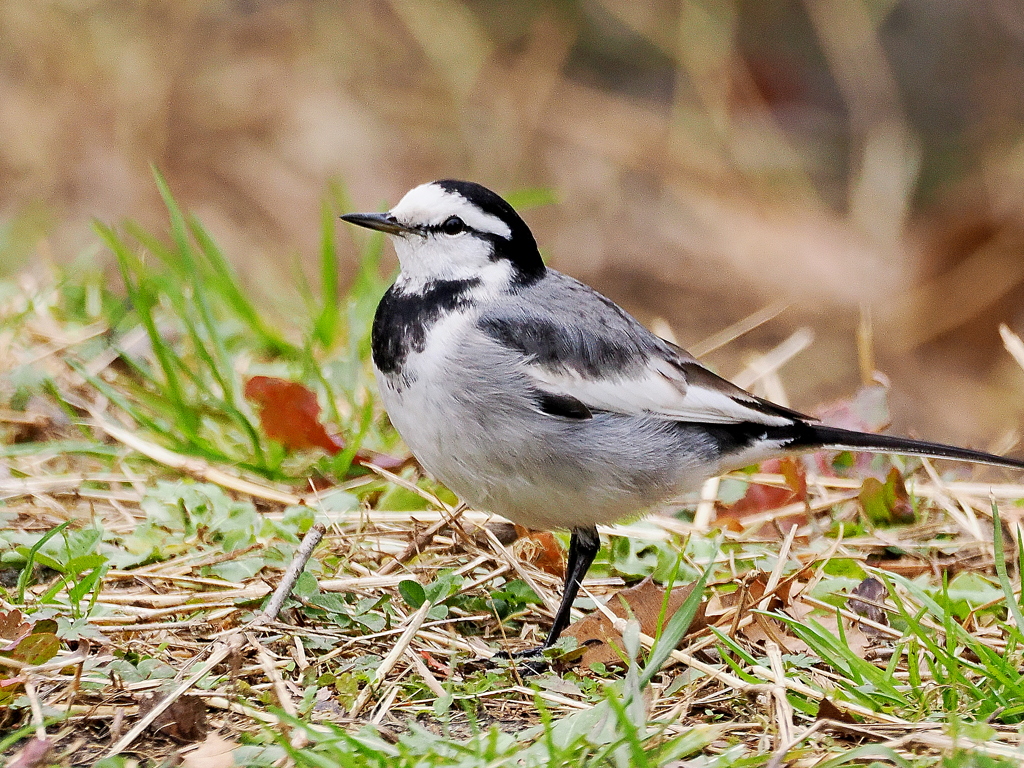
<point>781,661</point>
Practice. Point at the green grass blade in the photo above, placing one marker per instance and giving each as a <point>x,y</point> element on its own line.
<point>230,290</point>
<point>1012,601</point>
<point>26,572</point>
<point>676,628</point>
<point>142,297</point>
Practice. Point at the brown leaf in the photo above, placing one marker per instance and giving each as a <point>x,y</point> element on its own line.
<point>874,590</point>
<point>829,711</point>
<point>214,752</point>
<point>762,498</point>
<point>13,629</point>
<point>759,498</point>
<point>796,477</point>
<point>184,720</point>
<point>289,414</point>
<point>540,548</point>
<point>599,638</point>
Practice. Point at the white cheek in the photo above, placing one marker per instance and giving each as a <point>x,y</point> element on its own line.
<point>441,257</point>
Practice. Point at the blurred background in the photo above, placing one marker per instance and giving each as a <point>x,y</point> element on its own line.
<point>711,159</point>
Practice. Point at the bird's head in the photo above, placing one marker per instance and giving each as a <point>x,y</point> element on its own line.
<point>456,230</point>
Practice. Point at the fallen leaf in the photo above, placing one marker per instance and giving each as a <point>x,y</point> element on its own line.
<point>874,590</point>
<point>289,413</point>
<point>184,720</point>
<point>12,629</point>
<point>761,498</point>
<point>36,648</point>
<point>829,711</point>
<point>540,548</point>
<point>435,665</point>
<point>214,752</point>
<point>600,640</point>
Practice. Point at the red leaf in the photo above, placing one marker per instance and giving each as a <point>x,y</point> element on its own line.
<point>542,549</point>
<point>761,498</point>
<point>289,414</point>
<point>435,665</point>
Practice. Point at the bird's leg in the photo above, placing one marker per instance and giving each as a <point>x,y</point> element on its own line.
<point>584,545</point>
<point>583,548</point>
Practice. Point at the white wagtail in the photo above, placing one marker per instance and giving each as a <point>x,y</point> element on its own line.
<point>533,396</point>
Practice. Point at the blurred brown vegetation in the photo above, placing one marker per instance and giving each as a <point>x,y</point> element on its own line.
<point>710,157</point>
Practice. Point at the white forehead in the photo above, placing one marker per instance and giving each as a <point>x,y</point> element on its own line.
<point>430,204</point>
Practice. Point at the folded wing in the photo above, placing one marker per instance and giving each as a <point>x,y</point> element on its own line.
<point>618,365</point>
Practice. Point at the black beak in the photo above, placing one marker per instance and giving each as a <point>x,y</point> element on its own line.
<point>382,222</point>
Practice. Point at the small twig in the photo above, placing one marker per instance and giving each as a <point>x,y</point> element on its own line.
<point>424,671</point>
<point>737,329</point>
<point>514,561</point>
<point>780,564</point>
<point>284,699</point>
<point>309,542</point>
<point>779,758</point>
<point>1013,343</point>
<point>775,358</point>
<point>401,482</point>
<point>387,700</point>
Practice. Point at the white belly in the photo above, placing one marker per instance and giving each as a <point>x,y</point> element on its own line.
<point>471,419</point>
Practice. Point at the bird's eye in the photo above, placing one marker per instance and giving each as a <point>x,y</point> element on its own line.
<point>453,225</point>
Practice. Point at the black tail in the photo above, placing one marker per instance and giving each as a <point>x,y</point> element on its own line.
<point>819,436</point>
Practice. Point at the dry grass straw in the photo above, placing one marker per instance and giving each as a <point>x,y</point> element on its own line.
<point>243,665</point>
<point>189,608</point>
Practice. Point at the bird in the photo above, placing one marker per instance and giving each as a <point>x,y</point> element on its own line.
<point>532,396</point>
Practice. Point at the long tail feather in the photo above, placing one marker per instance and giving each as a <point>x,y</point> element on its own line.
<point>820,436</point>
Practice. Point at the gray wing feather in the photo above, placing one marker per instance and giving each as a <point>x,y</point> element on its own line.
<point>577,343</point>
